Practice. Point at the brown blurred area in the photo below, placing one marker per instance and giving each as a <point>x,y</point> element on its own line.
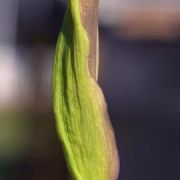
<point>150,24</point>
<point>139,73</point>
<point>144,19</point>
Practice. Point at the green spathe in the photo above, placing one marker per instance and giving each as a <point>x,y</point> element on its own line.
<point>79,104</point>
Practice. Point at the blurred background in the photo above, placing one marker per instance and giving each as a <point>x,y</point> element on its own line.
<point>139,73</point>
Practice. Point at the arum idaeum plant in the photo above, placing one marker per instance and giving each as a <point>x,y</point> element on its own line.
<point>80,110</point>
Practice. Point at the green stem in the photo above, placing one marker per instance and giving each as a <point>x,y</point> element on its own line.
<point>83,125</point>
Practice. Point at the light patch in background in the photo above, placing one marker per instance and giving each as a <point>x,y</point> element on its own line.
<point>10,75</point>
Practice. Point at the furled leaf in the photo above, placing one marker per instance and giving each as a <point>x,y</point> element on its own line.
<point>80,111</point>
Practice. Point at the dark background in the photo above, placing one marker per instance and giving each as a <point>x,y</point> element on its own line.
<point>140,78</point>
